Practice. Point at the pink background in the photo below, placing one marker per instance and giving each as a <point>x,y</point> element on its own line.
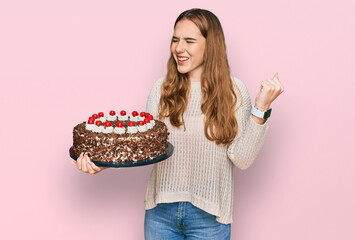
<point>61,61</point>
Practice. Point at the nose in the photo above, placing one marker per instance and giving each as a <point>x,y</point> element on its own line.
<point>180,47</point>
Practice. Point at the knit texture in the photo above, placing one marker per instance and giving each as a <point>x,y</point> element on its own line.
<point>200,171</point>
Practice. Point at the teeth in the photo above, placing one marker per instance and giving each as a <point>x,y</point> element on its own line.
<point>182,59</point>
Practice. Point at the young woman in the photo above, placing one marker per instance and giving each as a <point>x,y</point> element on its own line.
<point>213,127</point>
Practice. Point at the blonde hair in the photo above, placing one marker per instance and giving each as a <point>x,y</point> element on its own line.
<point>218,97</point>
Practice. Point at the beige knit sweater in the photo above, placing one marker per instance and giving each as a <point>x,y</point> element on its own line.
<point>199,171</point>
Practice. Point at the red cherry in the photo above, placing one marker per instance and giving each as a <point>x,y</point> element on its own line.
<point>147,114</point>
<point>131,124</point>
<point>112,113</point>
<point>95,116</point>
<point>119,124</point>
<point>147,120</point>
<point>101,114</point>
<point>98,123</point>
<point>141,123</point>
<point>150,117</point>
<point>142,114</point>
<point>107,124</point>
<point>91,121</point>
<point>91,118</point>
<point>123,113</point>
<point>134,113</point>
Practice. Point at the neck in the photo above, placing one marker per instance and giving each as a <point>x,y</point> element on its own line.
<point>195,76</point>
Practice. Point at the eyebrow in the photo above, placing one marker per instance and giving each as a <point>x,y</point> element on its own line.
<point>188,38</point>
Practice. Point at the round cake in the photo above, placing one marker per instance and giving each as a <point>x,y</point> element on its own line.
<point>120,138</point>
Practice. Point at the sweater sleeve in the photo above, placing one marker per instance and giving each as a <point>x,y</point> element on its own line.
<point>154,98</point>
<point>250,139</point>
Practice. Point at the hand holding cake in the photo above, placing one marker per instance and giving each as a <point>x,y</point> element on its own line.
<point>85,164</point>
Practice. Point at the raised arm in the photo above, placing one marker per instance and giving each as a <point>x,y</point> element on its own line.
<point>252,130</point>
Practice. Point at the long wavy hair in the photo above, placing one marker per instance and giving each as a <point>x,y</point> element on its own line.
<point>218,97</point>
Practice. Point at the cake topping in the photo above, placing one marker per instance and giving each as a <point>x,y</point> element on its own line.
<point>148,123</point>
<point>132,129</point>
<point>142,127</point>
<point>111,117</point>
<point>137,122</point>
<point>107,129</point>
<point>123,116</point>
<point>120,130</point>
<point>98,127</point>
<point>90,124</point>
<point>101,117</point>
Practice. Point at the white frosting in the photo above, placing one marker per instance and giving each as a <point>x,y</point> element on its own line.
<point>102,119</point>
<point>120,130</point>
<point>149,125</point>
<point>89,127</point>
<point>141,118</point>
<point>123,118</point>
<point>142,128</point>
<point>132,129</point>
<point>152,122</point>
<point>133,119</point>
<point>111,118</point>
<point>108,130</point>
<point>98,129</point>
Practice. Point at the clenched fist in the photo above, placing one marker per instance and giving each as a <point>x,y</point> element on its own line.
<point>270,89</point>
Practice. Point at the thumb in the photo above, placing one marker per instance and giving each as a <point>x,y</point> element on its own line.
<point>276,75</point>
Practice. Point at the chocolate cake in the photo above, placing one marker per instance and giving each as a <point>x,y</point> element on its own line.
<point>120,138</point>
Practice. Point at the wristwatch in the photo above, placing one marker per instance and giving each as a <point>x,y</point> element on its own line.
<point>261,114</point>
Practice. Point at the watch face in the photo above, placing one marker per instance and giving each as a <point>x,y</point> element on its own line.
<point>267,114</point>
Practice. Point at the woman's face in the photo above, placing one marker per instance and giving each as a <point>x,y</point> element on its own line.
<point>187,47</point>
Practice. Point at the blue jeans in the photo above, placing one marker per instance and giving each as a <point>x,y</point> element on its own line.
<point>182,220</point>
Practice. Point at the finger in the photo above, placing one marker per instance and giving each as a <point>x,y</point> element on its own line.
<point>85,163</point>
<point>278,86</point>
<point>94,167</point>
<point>266,85</point>
<point>276,75</point>
<point>90,169</point>
<point>79,161</point>
<point>73,162</point>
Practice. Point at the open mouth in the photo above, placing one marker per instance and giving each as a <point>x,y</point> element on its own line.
<point>182,60</point>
